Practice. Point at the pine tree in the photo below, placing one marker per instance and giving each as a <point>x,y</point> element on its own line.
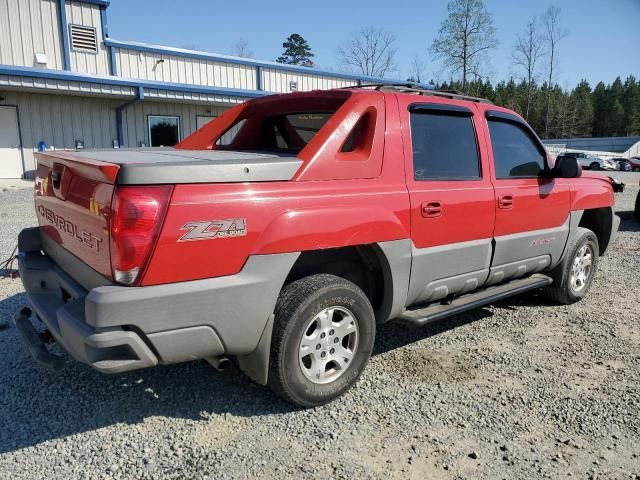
<point>599,102</point>
<point>583,110</point>
<point>605,111</point>
<point>631,106</point>
<point>296,51</point>
<point>616,111</point>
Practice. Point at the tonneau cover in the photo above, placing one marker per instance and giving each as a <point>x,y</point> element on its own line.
<point>148,166</point>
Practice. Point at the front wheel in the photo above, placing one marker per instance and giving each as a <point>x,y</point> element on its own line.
<point>572,278</point>
<point>594,166</point>
<point>322,339</point>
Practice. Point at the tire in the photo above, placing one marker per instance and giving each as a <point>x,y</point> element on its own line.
<point>300,326</point>
<point>637,210</point>
<point>568,286</point>
<point>594,166</point>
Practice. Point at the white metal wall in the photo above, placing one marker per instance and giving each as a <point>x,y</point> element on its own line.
<point>175,69</point>
<point>135,124</point>
<point>279,81</point>
<point>634,151</point>
<point>88,15</point>
<point>178,69</point>
<point>60,120</point>
<point>28,27</point>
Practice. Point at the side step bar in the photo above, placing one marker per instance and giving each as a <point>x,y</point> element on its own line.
<point>438,311</point>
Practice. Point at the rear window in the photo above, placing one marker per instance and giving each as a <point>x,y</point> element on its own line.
<point>285,133</point>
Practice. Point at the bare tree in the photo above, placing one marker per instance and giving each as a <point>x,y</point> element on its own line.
<point>464,36</point>
<point>416,69</point>
<point>564,115</point>
<point>554,33</point>
<point>527,53</point>
<point>241,49</point>
<point>371,52</point>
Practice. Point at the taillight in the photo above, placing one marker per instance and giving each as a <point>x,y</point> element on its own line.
<point>137,214</point>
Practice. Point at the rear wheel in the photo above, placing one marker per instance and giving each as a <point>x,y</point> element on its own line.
<point>322,339</point>
<point>637,211</point>
<point>594,166</point>
<point>572,278</point>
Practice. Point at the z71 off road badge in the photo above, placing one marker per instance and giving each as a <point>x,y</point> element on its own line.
<point>233,227</point>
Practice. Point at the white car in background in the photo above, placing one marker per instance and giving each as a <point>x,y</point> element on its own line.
<point>590,162</point>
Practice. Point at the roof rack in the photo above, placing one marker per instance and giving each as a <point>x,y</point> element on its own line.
<point>422,90</point>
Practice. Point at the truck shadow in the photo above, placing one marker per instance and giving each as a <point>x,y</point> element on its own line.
<point>628,222</point>
<point>393,335</point>
<point>38,404</point>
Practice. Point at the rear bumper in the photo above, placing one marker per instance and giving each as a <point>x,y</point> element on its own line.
<point>116,329</point>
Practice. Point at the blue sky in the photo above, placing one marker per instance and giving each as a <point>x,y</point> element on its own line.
<point>603,38</point>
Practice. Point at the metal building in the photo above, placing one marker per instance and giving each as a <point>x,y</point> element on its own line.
<point>65,83</point>
<point>625,147</point>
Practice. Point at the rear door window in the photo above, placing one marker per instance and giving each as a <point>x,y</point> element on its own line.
<point>444,146</point>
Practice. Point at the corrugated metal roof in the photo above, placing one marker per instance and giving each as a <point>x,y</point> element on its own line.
<point>599,144</point>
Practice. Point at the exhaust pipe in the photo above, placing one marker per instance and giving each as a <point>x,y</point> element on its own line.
<point>219,363</point>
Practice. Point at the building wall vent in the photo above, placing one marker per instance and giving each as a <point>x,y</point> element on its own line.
<point>83,39</point>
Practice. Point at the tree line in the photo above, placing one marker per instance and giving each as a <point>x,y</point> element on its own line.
<point>611,110</point>
<point>463,43</point>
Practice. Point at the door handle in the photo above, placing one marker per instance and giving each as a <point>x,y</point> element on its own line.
<point>505,201</point>
<point>431,209</point>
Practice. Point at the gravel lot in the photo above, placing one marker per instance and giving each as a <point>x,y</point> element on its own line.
<point>522,389</point>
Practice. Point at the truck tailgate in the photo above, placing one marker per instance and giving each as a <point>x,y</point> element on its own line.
<point>73,204</point>
<point>74,190</point>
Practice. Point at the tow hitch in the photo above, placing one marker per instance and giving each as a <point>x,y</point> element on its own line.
<point>36,342</point>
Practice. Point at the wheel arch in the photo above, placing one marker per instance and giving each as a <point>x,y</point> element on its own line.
<point>600,222</point>
<point>390,265</point>
<point>380,269</point>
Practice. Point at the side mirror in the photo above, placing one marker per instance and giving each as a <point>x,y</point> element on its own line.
<point>567,167</point>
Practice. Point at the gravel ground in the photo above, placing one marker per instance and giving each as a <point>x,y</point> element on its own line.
<point>522,389</point>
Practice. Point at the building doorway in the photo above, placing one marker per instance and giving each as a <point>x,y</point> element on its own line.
<point>10,144</point>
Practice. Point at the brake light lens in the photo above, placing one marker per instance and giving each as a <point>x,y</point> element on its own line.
<point>137,214</point>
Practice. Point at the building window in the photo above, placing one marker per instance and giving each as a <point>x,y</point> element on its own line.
<point>83,39</point>
<point>164,131</point>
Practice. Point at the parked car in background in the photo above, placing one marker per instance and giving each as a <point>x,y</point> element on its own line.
<point>635,164</point>
<point>623,164</point>
<point>606,164</point>
<point>589,162</point>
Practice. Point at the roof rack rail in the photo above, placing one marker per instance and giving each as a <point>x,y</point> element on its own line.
<point>421,90</point>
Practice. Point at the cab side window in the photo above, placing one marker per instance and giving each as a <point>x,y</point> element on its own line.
<point>444,146</point>
<point>515,154</point>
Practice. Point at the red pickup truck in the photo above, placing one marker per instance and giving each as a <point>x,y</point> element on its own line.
<point>281,233</point>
